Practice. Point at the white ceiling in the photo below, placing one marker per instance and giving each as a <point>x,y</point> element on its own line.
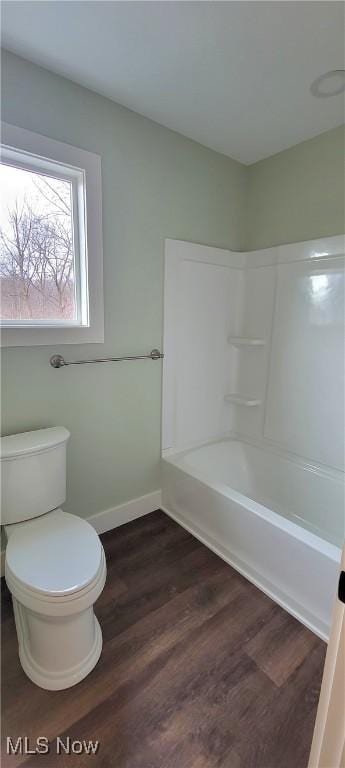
<point>234,76</point>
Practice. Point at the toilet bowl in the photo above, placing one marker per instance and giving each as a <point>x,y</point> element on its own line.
<point>55,566</point>
<point>55,569</point>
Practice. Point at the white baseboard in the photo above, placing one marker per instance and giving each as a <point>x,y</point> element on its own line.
<point>112,518</point>
<point>124,513</point>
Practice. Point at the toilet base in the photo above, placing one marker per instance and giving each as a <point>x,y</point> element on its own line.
<point>57,652</point>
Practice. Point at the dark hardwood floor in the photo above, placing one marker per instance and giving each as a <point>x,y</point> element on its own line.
<point>199,668</point>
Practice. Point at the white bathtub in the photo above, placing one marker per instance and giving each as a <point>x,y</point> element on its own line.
<point>276,520</point>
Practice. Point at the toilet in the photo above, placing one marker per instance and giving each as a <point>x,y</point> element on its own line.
<point>55,564</point>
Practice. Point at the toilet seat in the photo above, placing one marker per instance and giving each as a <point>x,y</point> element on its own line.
<point>53,561</point>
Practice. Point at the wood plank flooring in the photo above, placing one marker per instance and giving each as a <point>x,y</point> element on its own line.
<point>199,668</point>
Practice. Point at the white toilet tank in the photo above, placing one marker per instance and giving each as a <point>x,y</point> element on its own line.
<point>33,473</point>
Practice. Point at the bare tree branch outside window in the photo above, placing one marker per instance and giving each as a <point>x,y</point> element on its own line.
<point>37,276</point>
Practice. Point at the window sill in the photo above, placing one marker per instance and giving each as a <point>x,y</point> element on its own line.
<point>51,335</point>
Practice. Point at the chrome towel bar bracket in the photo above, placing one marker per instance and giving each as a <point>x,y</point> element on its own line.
<point>57,361</point>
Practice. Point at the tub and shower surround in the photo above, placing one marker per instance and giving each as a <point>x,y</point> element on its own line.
<point>253,408</point>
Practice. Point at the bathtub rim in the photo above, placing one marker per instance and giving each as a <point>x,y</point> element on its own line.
<point>261,444</point>
<point>307,537</point>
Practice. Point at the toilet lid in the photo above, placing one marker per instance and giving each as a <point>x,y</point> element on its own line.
<point>55,554</point>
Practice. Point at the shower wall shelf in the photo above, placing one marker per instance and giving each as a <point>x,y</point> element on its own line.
<point>243,341</point>
<point>237,399</point>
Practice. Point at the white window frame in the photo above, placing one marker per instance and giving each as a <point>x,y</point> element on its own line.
<point>31,151</point>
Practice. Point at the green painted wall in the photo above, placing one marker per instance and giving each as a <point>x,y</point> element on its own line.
<point>156,184</point>
<point>297,194</point>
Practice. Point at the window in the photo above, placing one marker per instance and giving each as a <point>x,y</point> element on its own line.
<point>50,241</point>
<point>38,248</point>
